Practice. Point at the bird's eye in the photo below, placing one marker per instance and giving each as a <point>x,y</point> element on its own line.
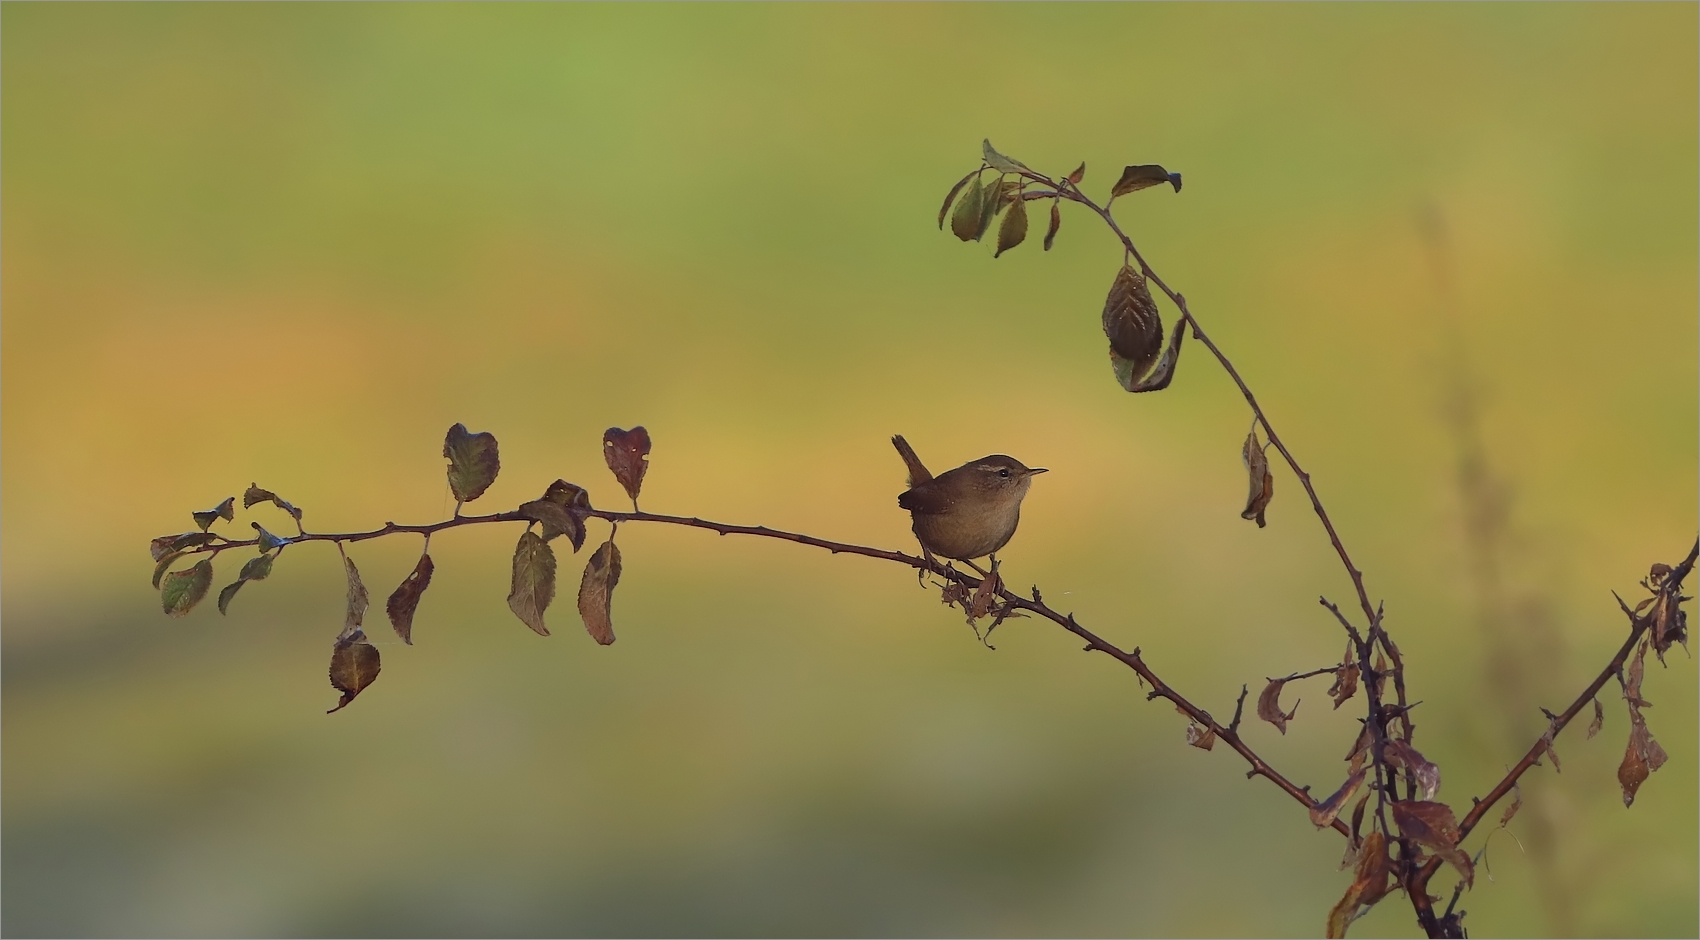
<point>1004,472</point>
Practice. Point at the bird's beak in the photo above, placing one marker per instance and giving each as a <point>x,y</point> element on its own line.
<point>1038,470</point>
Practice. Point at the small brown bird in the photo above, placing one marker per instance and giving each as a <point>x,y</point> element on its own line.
<point>969,512</point>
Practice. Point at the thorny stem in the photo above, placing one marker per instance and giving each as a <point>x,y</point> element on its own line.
<point>1094,643</point>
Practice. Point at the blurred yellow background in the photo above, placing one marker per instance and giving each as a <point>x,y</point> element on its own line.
<point>292,244</point>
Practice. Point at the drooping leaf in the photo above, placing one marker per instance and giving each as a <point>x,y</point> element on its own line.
<point>1056,223</point>
<point>1636,671</point>
<point>354,666</point>
<point>255,495</point>
<point>1013,231</point>
<point>1641,757</point>
<point>998,161</point>
<point>951,197</point>
<point>1599,720</point>
<point>1516,804</point>
<point>533,582</point>
<point>167,544</point>
<point>627,454</point>
<point>1546,745</point>
<point>268,541</point>
<point>164,563</point>
<point>1159,377</point>
<point>182,590</point>
<point>1269,705</point>
<point>1369,884</point>
<point>1358,816</point>
<point>404,601</point>
<point>225,510</point>
<point>229,592</point>
<point>1262,490</point>
<point>1345,678</point>
<point>1322,814</point>
<point>354,612</point>
<point>1669,622</point>
<point>1136,178</point>
<point>474,462</point>
<point>596,592</point>
<point>1133,327</point>
<point>1362,745</point>
<point>1078,174</point>
<point>965,221</point>
<point>258,568</point>
<point>993,199</point>
<point>1432,825</point>
<point>1200,737</point>
<point>576,500</point>
<point>1421,771</point>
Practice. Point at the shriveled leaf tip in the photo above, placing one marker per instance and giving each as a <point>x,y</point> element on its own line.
<point>404,600</point>
<point>1136,178</point>
<point>1269,706</point>
<point>627,454</point>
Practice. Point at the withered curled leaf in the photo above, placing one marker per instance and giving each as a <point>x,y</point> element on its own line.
<point>176,544</point>
<point>1599,720</point>
<point>1358,816</point>
<point>1516,804</point>
<point>985,594</point>
<point>1418,769</point>
<point>576,499</point>
<point>1200,737</point>
<point>164,563</point>
<point>1323,812</point>
<point>1433,825</point>
<point>1132,324</point>
<point>257,569</point>
<point>1633,676</point>
<point>1641,757</point>
<point>267,540</point>
<point>1269,705</point>
<point>951,197</point>
<point>1078,174</point>
<point>404,600</point>
<point>533,582</point>
<point>965,221</point>
<point>182,590</point>
<point>998,161</point>
<point>1345,678</point>
<point>1262,491</point>
<point>1158,378</point>
<point>1056,223</point>
<point>1013,231</point>
<point>225,510</point>
<point>1546,745</point>
<point>627,454</point>
<point>354,665</point>
<point>555,517</point>
<point>1369,884</point>
<point>254,496</point>
<point>355,612</point>
<point>596,592</point>
<point>1669,622</point>
<point>474,461</point>
<point>1136,178</point>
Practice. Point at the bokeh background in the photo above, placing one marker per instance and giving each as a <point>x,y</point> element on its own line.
<point>292,244</point>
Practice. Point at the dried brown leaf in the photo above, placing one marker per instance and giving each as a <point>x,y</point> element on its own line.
<point>1641,757</point>
<point>1056,223</point>
<point>596,592</point>
<point>984,595</point>
<point>1634,674</point>
<point>1358,816</point>
<point>1419,769</point>
<point>627,454</point>
<point>1269,705</point>
<point>1362,744</point>
<point>965,221</point>
<point>1345,678</point>
<point>1013,231</point>
<point>1163,373</point>
<point>225,510</point>
<point>1516,804</point>
<point>1433,825</point>
<point>354,666</point>
<point>1369,884</point>
<point>1078,174</point>
<point>1134,328</point>
<point>1200,737</point>
<point>1599,720</point>
<point>1262,491</point>
<point>1380,676</point>
<point>1322,814</point>
<point>474,462</point>
<point>954,593</point>
<point>1136,178</point>
<point>176,544</point>
<point>354,612</point>
<point>533,584</point>
<point>255,495</point>
<point>404,601</point>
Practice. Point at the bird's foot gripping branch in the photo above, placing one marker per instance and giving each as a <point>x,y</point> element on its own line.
<point>1400,839</point>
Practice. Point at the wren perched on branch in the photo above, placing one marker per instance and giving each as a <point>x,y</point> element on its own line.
<point>969,512</point>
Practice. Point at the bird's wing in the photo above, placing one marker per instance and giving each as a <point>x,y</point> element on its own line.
<point>925,499</point>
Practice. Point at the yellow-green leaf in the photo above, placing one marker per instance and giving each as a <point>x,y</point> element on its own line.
<point>533,582</point>
<point>182,590</point>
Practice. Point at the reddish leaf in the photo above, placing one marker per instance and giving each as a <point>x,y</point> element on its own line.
<point>1323,813</point>
<point>980,604</point>
<point>1419,769</point>
<point>405,599</point>
<point>473,462</point>
<point>1200,736</point>
<point>1641,758</point>
<point>354,665</point>
<point>1136,178</point>
<point>1078,175</point>
<point>1262,491</point>
<point>1369,884</point>
<point>596,592</point>
<point>627,453</point>
<point>1056,223</point>
<point>1269,705</point>
<point>1433,825</point>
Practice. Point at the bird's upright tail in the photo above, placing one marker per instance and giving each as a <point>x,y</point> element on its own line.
<point>917,471</point>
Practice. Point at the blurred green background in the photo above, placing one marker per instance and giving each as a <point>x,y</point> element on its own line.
<point>292,244</point>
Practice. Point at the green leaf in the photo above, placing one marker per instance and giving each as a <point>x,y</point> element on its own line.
<point>993,199</point>
<point>1013,231</point>
<point>473,462</point>
<point>225,510</point>
<point>255,495</point>
<point>225,596</point>
<point>355,664</point>
<point>534,581</point>
<point>268,541</point>
<point>257,569</point>
<point>596,592</point>
<point>998,161</point>
<point>951,197</point>
<point>355,614</point>
<point>164,563</point>
<point>405,600</point>
<point>1136,178</point>
<point>166,544</point>
<point>182,590</point>
<point>965,221</point>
